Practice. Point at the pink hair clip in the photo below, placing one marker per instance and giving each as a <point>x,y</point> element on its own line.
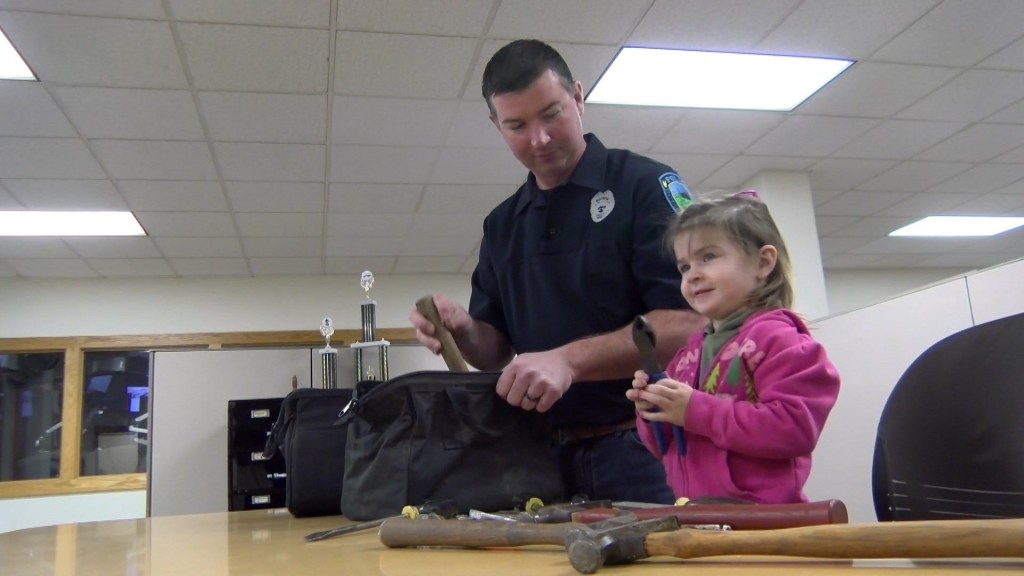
<point>751,194</point>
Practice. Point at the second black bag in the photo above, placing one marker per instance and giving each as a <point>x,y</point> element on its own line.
<point>435,435</point>
<point>313,447</point>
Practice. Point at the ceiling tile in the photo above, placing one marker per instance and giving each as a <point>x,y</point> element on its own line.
<point>349,225</point>
<point>210,266</point>
<point>593,21</point>
<point>914,175</point>
<point>276,196</point>
<point>867,25</point>
<point>876,89</point>
<point>100,247</point>
<point>34,247</point>
<point>938,37</point>
<point>970,97</point>
<point>477,167</point>
<point>173,196</point>
<point>464,199</point>
<point>899,139</point>
<point>375,198</point>
<point>132,113</point>
<point>313,13</point>
<point>363,246</point>
<point>197,246</point>
<point>842,173</point>
<point>418,66</point>
<point>458,225</point>
<point>449,245</point>
<point>977,143</point>
<point>715,131</point>
<point>308,247</point>
<point>392,122</point>
<point>285,266</point>
<point>256,58</point>
<point>472,128</point>
<point>37,115</point>
<point>860,203</point>
<point>133,9</point>
<point>185,224</point>
<point>274,162</point>
<point>739,170</point>
<point>252,117</point>
<point>810,136</point>
<point>992,205</point>
<point>269,225</point>
<point>66,194</point>
<point>355,265</point>
<point>828,225</point>
<point>725,25</point>
<point>925,204</point>
<point>46,158</point>
<point>381,164</point>
<point>1009,58</point>
<point>631,128</point>
<point>430,17</point>
<point>131,267</point>
<point>155,160</point>
<point>982,178</point>
<point>428,264</point>
<point>51,268</point>
<point>586,62</point>
<point>96,51</point>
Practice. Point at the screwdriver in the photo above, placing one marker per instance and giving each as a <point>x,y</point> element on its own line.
<point>430,508</point>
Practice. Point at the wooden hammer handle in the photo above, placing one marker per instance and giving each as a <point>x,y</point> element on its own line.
<point>449,350</point>
<point>736,516</point>
<point>909,539</point>
<point>403,532</point>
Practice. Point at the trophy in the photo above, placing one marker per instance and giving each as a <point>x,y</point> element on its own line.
<point>368,315</point>
<point>328,355</point>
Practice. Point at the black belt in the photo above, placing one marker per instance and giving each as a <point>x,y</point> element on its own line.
<point>580,432</point>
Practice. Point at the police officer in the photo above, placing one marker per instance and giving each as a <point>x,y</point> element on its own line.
<point>565,265</point>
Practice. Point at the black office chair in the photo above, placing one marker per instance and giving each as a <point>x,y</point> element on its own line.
<point>950,440</point>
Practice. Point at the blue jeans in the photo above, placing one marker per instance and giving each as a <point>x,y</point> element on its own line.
<point>616,467</point>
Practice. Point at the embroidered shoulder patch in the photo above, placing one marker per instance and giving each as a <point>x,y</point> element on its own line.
<point>676,193</point>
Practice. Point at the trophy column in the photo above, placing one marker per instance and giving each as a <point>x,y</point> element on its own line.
<point>368,316</point>
<point>328,356</point>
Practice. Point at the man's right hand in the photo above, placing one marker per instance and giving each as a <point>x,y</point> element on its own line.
<point>453,316</point>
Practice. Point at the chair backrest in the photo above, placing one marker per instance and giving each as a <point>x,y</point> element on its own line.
<point>950,441</point>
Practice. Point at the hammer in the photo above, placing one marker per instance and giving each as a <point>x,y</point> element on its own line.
<point>589,550</point>
<point>449,350</point>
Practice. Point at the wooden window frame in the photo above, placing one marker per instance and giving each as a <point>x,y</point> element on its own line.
<point>70,480</point>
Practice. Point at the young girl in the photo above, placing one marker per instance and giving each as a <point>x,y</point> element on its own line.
<point>751,393</point>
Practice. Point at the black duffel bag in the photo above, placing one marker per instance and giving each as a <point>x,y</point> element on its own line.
<point>435,435</point>
<point>313,447</point>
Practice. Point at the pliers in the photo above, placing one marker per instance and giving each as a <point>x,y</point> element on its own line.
<point>643,337</point>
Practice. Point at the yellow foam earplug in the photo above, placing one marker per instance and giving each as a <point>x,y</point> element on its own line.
<point>411,512</point>
<point>533,504</point>
<point>682,501</point>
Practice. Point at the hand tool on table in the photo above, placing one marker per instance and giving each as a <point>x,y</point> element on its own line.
<point>589,549</point>
<point>449,350</point>
<point>489,533</point>
<point>644,339</point>
<point>736,516</point>
<point>430,509</point>
<point>402,532</point>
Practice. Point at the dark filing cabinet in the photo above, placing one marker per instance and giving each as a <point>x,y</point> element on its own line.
<point>254,482</point>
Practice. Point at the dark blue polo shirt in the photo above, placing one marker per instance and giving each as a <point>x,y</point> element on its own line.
<point>579,260</point>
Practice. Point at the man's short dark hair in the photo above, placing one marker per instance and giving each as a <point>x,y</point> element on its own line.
<point>517,64</point>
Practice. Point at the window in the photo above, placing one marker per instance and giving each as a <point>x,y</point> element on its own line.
<point>115,412</point>
<point>31,398</point>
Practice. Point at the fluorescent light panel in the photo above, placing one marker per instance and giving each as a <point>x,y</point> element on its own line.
<point>42,223</point>
<point>12,67</point>
<point>959,226</point>
<point>684,78</point>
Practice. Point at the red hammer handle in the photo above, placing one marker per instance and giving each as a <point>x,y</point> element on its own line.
<point>737,516</point>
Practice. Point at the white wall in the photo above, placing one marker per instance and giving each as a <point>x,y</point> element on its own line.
<point>851,289</point>
<point>19,513</point>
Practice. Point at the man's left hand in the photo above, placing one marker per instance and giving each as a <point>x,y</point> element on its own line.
<point>535,381</point>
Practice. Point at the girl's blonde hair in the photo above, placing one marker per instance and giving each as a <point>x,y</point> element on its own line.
<point>745,220</point>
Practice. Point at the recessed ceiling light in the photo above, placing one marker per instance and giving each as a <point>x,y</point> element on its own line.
<point>41,223</point>
<point>959,226</point>
<point>12,67</point>
<point>684,78</point>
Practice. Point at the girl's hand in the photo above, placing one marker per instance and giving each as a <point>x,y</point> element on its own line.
<point>639,383</point>
<point>663,401</point>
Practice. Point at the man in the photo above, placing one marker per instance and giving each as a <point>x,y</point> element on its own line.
<point>565,265</point>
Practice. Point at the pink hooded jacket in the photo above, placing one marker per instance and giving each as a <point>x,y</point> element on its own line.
<point>753,422</point>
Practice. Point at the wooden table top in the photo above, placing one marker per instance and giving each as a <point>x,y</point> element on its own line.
<point>271,543</point>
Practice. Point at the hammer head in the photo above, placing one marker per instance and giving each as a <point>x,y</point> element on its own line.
<point>591,548</point>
